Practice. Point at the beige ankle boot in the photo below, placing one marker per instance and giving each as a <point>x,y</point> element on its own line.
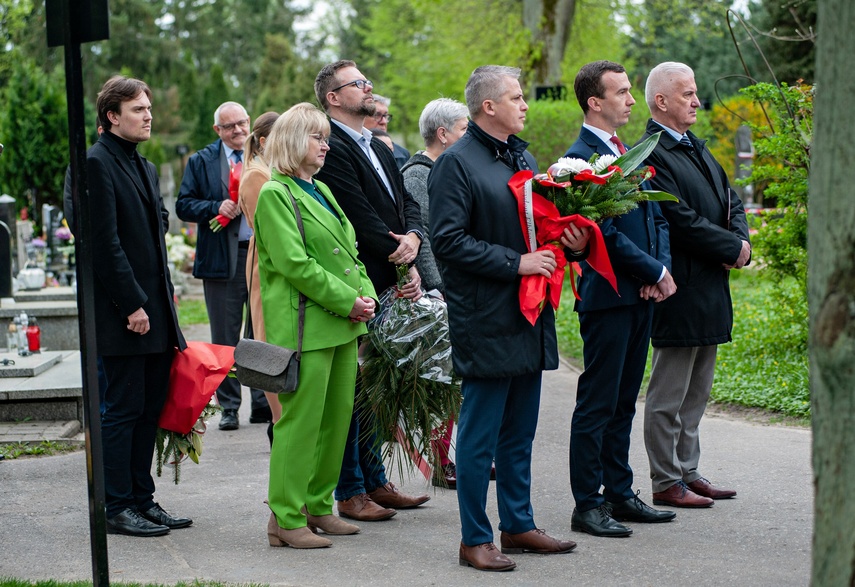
<point>331,524</point>
<point>296,538</point>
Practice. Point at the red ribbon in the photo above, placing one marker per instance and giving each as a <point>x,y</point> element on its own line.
<point>549,225</point>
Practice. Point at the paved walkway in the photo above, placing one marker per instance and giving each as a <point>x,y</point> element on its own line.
<point>762,537</point>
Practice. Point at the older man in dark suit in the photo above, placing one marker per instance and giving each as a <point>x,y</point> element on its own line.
<point>221,256</point>
<point>362,174</point>
<point>135,322</point>
<point>615,326</point>
<point>709,237</point>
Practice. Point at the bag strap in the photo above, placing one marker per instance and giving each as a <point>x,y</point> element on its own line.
<point>301,312</point>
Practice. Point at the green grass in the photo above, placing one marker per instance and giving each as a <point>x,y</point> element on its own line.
<point>191,311</point>
<point>43,448</point>
<point>766,365</point>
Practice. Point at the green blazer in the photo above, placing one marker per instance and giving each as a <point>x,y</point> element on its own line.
<point>325,268</point>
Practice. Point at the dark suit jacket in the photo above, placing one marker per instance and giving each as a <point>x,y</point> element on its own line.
<point>360,192</point>
<point>128,226</point>
<point>204,187</point>
<point>637,243</point>
<point>706,228</point>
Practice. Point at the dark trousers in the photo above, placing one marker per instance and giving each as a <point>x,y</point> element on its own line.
<point>136,391</point>
<point>498,419</point>
<point>225,300</point>
<point>615,350</point>
<point>362,468</point>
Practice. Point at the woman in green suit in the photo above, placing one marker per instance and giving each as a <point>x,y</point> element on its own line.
<point>310,436</point>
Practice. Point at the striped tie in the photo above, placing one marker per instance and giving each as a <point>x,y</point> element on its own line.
<point>684,140</point>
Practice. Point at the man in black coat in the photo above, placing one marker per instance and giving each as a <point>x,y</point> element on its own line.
<point>479,245</point>
<point>221,256</point>
<point>367,184</point>
<point>709,237</point>
<point>615,326</point>
<point>135,321</point>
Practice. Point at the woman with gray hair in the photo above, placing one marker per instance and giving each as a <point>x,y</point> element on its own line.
<point>442,122</point>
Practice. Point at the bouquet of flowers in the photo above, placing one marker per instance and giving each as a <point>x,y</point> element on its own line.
<point>219,221</point>
<point>172,447</point>
<point>582,193</point>
<point>406,380</point>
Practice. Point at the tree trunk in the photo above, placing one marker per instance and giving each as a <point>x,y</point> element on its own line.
<point>831,297</point>
<point>550,23</point>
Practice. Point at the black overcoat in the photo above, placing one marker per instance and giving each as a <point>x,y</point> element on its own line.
<point>128,226</point>
<point>706,228</point>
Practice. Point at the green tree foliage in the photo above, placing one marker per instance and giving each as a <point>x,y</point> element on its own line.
<point>783,153</point>
<point>787,36</point>
<point>215,93</point>
<point>34,130</point>
<point>288,79</point>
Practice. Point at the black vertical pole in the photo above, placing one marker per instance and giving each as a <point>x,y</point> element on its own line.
<point>86,313</point>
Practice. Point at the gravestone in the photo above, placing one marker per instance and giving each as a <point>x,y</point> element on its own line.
<point>5,261</point>
<point>744,161</point>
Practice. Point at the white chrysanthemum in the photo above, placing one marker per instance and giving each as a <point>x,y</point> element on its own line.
<point>602,163</point>
<point>568,166</point>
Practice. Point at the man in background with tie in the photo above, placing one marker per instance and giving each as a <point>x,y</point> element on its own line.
<point>709,237</point>
<point>362,174</point>
<point>615,326</point>
<point>221,256</point>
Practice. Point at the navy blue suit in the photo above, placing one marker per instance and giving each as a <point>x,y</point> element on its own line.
<point>220,258</point>
<point>615,331</point>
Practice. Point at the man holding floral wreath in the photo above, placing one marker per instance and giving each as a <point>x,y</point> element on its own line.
<point>479,244</point>
<point>615,325</point>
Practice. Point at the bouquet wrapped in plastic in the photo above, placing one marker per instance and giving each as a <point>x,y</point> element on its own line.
<point>407,383</point>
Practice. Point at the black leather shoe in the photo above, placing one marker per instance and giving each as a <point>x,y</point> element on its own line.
<point>261,416</point>
<point>229,420</point>
<point>597,522</point>
<point>131,523</point>
<point>445,476</point>
<point>158,515</point>
<point>635,510</point>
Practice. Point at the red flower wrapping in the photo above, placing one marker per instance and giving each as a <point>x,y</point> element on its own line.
<point>549,225</point>
<point>196,373</point>
<point>234,187</point>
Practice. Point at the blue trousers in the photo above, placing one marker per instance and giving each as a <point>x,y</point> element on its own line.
<point>615,349</point>
<point>498,419</point>
<point>362,469</point>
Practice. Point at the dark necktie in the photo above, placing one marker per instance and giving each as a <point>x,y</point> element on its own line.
<point>618,143</point>
<point>684,140</point>
<point>238,156</point>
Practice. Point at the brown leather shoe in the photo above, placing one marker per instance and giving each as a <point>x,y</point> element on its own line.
<point>680,496</point>
<point>702,486</point>
<point>537,541</point>
<point>389,496</point>
<point>484,557</point>
<point>361,507</point>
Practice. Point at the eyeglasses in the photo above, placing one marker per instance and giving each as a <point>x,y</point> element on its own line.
<point>379,117</point>
<point>231,126</point>
<point>321,139</point>
<point>359,83</point>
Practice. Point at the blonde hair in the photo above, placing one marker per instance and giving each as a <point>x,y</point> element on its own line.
<point>288,142</point>
<point>261,129</point>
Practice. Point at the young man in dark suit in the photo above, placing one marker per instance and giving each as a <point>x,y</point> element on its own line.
<point>362,174</point>
<point>135,321</point>
<point>615,326</point>
<point>221,256</point>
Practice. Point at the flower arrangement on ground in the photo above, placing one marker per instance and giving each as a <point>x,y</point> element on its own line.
<point>407,384</point>
<point>575,191</point>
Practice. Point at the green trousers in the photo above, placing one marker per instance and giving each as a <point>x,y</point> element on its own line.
<point>309,438</point>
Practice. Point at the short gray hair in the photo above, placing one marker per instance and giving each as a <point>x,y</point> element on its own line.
<point>288,141</point>
<point>442,112</point>
<point>382,100</point>
<point>225,105</point>
<point>485,84</point>
<point>659,78</point>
